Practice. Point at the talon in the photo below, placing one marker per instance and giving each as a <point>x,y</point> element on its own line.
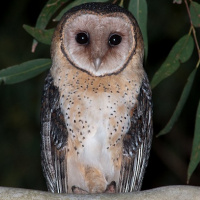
<point>111,188</point>
<point>77,190</point>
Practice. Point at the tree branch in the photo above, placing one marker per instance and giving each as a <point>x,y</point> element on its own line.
<point>193,32</point>
<point>162,193</point>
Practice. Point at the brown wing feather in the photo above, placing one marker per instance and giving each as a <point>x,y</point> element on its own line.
<point>54,139</point>
<point>137,142</point>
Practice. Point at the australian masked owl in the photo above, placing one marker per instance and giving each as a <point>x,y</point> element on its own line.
<point>96,118</point>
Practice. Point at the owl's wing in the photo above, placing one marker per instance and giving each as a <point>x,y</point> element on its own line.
<point>137,142</point>
<point>54,139</point>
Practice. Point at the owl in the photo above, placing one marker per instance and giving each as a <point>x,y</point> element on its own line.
<point>96,115</point>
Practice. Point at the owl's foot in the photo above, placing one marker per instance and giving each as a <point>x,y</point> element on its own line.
<point>111,188</point>
<point>77,190</point>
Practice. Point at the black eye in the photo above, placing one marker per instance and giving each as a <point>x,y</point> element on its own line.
<point>82,38</point>
<point>114,40</point>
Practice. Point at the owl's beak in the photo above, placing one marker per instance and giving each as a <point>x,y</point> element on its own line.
<point>97,63</point>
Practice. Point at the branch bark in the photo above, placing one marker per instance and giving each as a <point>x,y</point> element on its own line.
<point>161,193</point>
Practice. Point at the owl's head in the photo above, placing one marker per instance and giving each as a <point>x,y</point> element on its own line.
<point>98,38</point>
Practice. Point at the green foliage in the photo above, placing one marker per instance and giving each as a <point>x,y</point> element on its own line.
<point>41,35</point>
<point>195,157</point>
<point>195,13</point>
<point>24,71</point>
<point>180,53</point>
<point>46,14</point>
<point>139,10</point>
<point>180,105</point>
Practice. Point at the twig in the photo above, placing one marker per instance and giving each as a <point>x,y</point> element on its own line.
<point>178,192</point>
<point>193,32</point>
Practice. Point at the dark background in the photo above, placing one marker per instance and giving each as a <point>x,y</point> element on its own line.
<point>20,103</point>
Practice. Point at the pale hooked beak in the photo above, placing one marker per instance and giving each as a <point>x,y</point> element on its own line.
<point>97,63</point>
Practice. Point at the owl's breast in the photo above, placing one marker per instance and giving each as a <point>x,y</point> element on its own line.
<point>97,111</point>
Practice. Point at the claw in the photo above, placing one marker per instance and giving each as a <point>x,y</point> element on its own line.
<point>111,188</point>
<point>77,190</point>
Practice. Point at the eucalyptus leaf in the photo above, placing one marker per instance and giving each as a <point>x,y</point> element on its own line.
<point>180,53</point>
<point>73,4</point>
<point>46,14</point>
<point>180,105</point>
<point>195,156</point>
<point>43,36</point>
<point>139,10</point>
<point>24,71</point>
<point>195,13</point>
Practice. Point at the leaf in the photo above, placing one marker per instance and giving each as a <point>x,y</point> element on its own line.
<point>43,36</point>
<point>24,71</point>
<point>180,53</point>
<point>195,156</point>
<point>180,105</point>
<point>46,14</point>
<point>195,13</point>
<point>73,4</point>
<point>139,9</point>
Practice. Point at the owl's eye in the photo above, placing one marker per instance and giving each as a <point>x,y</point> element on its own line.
<point>82,38</point>
<point>114,39</point>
